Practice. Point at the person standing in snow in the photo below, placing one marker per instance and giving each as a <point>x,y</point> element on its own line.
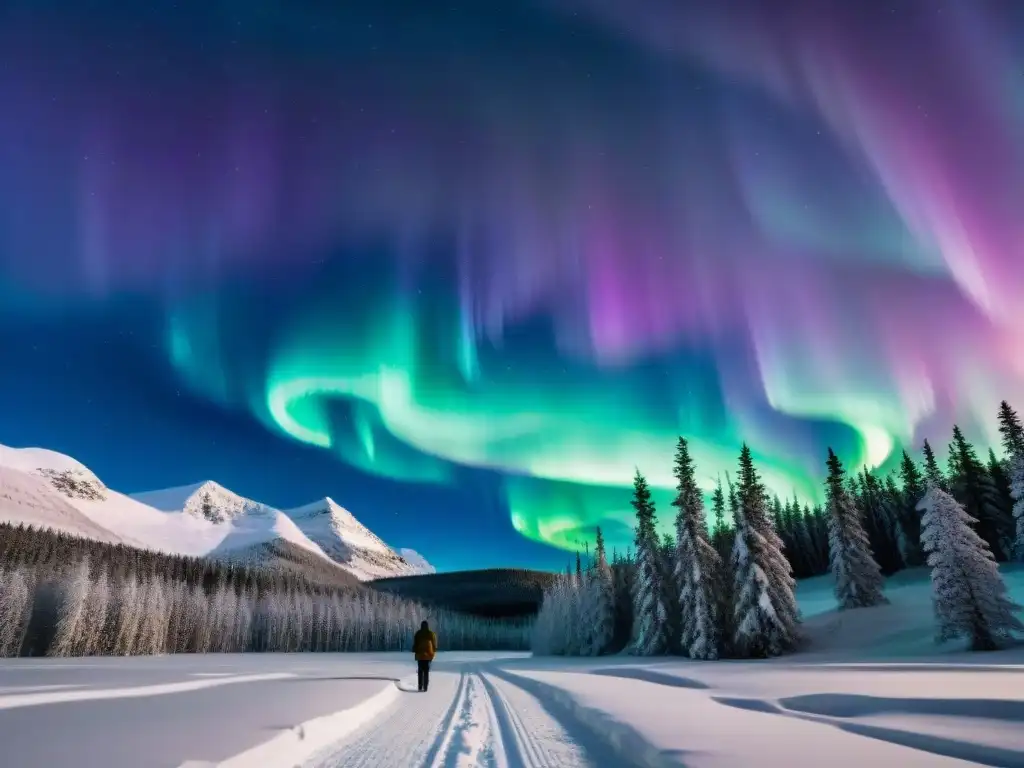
<point>424,646</point>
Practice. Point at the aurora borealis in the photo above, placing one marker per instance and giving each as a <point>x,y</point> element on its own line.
<point>510,251</point>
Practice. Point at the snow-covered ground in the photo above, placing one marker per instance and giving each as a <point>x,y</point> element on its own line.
<point>48,489</point>
<point>871,689</point>
<point>340,710</point>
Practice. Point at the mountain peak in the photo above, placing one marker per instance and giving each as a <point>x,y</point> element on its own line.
<point>207,499</point>
<point>350,543</point>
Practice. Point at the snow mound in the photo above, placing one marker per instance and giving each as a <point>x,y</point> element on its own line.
<point>348,542</point>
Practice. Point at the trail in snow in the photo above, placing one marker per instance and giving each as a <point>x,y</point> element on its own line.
<point>410,734</point>
<point>540,741</point>
<point>472,720</point>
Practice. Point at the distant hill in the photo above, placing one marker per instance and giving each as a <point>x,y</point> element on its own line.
<point>493,592</point>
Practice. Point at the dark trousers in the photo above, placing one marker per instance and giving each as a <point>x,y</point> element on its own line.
<point>422,674</point>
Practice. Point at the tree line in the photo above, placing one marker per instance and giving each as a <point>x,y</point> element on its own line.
<point>63,595</point>
<point>727,590</point>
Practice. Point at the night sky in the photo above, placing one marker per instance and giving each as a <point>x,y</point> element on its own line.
<point>465,266</point>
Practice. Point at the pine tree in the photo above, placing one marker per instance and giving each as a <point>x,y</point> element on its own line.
<point>697,571</point>
<point>649,615</point>
<point>766,617</point>
<point>70,638</point>
<point>602,601</point>
<point>880,526</point>
<point>972,486</point>
<point>804,540</point>
<point>720,536</point>
<point>998,471</point>
<point>669,590</point>
<point>892,504</point>
<point>1012,430</point>
<point>932,473</point>
<point>910,518</point>
<point>1013,444</point>
<point>814,521</point>
<point>624,574</point>
<point>1017,492</point>
<point>858,578</point>
<point>968,592</point>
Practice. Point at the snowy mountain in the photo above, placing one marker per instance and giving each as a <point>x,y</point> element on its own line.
<point>48,489</point>
<point>233,522</point>
<point>351,544</point>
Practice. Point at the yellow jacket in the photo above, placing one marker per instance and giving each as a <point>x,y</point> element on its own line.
<point>424,645</point>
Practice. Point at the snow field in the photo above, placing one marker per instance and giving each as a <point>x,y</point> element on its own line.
<point>516,712</point>
<point>66,694</point>
<point>670,725</point>
<point>306,739</point>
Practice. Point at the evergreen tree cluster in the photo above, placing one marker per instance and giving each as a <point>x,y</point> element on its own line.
<point>61,595</point>
<point>729,591</point>
<point>682,595</point>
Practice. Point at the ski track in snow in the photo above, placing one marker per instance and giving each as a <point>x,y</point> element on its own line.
<point>410,734</point>
<point>471,720</point>
<point>540,740</point>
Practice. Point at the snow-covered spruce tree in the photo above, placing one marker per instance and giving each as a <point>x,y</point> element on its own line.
<point>16,593</point>
<point>932,473</point>
<point>669,590</point>
<point>1017,492</point>
<point>858,580</point>
<point>999,471</point>
<point>1012,432</point>
<point>968,592</point>
<point>892,506</point>
<point>624,576</point>
<point>555,631</point>
<point>649,617</point>
<point>698,568</point>
<point>70,638</point>
<point>1011,429</point>
<point>96,612</point>
<point>803,540</point>
<point>910,518</point>
<point>972,485</point>
<point>880,528</point>
<point>765,615</point>
<point>600,602</point>
<point>721,530</point>
<point>574,625</point>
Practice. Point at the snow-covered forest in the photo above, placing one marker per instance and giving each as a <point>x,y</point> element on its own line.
<point>726,588</point>
<point>62,595</point>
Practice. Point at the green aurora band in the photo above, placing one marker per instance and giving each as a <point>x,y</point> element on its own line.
<point>565,445</point>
